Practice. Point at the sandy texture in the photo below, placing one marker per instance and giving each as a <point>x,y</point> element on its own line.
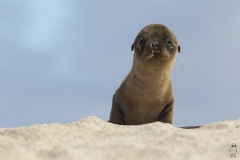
<point>92,138</point>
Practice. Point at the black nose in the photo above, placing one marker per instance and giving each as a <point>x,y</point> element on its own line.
<point>154,45</point>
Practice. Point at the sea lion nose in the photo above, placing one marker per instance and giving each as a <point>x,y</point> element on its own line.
<point>154,45</point>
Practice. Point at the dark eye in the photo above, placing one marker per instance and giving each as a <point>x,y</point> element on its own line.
<point>140,40</point>
<point>140,44</point>
<point>170,42</point>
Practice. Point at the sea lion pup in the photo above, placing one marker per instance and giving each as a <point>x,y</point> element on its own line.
<point>146,93</point>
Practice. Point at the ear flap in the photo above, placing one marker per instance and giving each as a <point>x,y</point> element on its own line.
<point>132,47</point>
<point>179,49</point>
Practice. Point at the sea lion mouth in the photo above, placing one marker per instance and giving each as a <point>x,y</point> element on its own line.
<point>152,54</point>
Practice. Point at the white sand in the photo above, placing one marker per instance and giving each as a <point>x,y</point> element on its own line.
<point>92,138</point>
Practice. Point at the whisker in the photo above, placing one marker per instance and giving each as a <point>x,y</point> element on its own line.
<point>178,61</point>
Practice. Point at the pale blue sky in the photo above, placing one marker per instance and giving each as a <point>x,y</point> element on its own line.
<point>61,61</point>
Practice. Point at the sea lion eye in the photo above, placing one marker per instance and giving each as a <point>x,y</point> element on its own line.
<point>140,44</point>
<point>169,42</point>
<point>140,41</point>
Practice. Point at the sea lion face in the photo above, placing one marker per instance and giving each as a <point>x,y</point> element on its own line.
<point>155,44</point>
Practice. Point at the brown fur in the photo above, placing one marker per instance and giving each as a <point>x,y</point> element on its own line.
<point>146,94</point>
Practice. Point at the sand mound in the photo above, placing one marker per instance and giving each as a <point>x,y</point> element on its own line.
<point>92,138</point>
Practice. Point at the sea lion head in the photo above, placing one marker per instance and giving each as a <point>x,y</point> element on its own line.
<point>156,44</point>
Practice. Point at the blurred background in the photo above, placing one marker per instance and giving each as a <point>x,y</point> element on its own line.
<point>61,61</point>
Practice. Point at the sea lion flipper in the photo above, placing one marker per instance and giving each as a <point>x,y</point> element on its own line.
<point>167,113</point>
<point>190,127</point>
<point>116,115</point>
